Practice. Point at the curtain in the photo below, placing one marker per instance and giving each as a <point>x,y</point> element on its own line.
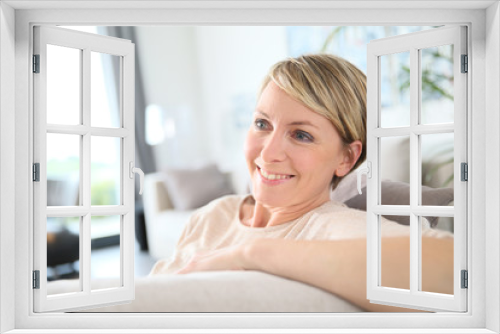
<point>144,157</point>
<point>143,153</point>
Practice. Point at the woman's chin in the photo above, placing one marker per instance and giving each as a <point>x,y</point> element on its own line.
<point>273,200</point>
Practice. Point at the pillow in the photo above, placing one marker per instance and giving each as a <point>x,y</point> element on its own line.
<point>347,187</point>
<point>398,193</point>
<point>192,188</point>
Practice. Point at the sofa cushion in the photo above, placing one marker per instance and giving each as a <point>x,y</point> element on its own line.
<point>347,188</point>
<point>222,291</point>
<point>393,193</point>
<point>398,193</point>
<point>192,188</point>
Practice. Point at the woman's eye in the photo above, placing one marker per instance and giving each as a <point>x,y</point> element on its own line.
<point>260,124</point>
<point>303,136</point>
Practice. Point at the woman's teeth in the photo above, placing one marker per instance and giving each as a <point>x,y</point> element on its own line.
<point>273,176</point>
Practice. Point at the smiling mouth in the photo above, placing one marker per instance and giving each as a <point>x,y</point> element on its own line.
<point>270,176</point>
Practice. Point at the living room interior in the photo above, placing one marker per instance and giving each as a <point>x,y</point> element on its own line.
<point>195,95</point>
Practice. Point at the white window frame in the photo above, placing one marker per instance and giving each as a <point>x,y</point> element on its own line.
<point>413,44</point>
<point>483,20</point>
<point>86,43</point>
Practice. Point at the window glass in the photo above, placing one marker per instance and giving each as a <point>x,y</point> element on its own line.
<point>444,285</point>
<point>105,90</point>
<point>437,85</point>
<point>105,260</point>
<point>395,90</point>
<point>395,170</point>
<point>105,170</point>
<point>63,85</point>
<point>394,274</point>
<point>63,169</point>
<point>437,154</point>
<point>63,252</point>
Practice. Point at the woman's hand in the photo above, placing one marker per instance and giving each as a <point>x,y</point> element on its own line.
<point>229,258</point>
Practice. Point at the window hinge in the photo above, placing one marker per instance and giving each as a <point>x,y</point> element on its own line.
<point>36,63</point>
<point>36,172</point>
<point>36,279</point>
<point>464,172</point>
<point>465,279</point>
<point>465,64</point>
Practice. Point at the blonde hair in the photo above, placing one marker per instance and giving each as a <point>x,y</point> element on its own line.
<point>330,86</point>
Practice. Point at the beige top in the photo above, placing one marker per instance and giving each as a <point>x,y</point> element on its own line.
<point>217,225</point>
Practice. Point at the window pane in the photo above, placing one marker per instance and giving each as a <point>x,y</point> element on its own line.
<point>395,170</point>
<point>395,90</point>
<point>63,251</point>
<point>437,169</point>
<point>442,283</point>
<point>105,170</point>
<point>105,256</point>
<point>63,169</point>
<point>63,85</point>
<point>394,274</point>
<point>105,90</point>
<point>437,85</point>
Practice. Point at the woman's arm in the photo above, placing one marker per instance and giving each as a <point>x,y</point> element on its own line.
<point>340,266</point>
<point>336,266</point>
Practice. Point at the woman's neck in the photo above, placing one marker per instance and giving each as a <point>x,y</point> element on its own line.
<point>255,214</point>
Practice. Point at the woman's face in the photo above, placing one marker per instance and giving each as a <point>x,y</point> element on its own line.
<point>291,151</point>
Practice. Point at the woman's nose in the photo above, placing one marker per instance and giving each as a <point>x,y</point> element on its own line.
<point>273,149</point>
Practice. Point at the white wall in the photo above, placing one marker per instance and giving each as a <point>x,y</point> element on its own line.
<point>207,76</point>
<point>170,75</point>
<point>233,62</point>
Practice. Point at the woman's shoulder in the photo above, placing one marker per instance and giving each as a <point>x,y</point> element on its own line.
<point>333,220</point>
<point>218,212</point>
<point>337,208</point>
<point>337,212</point>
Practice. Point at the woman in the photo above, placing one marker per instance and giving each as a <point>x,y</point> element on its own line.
<point>309,131</point>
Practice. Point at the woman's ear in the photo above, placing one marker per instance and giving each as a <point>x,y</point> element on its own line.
<point>351,155</point>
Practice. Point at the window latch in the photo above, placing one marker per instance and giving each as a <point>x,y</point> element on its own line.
<point>134,170</point>
<point>367,170</point>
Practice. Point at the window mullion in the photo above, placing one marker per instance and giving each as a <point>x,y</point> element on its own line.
<point>127,102</point>
<point>419,129</point>
<point>67,129</point>
<point>80,211</point>
<point>414,171</point>
<point>85,242</point>
<point>82,130</point>
<point>400,210</point>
